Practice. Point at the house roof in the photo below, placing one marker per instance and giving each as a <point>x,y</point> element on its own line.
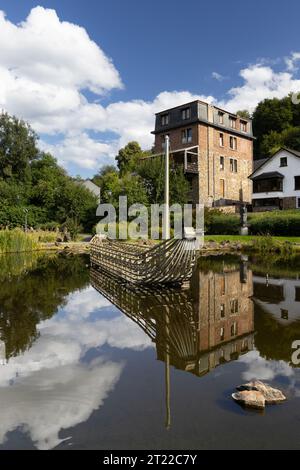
<point>260,163</point>
<point>269,175</point>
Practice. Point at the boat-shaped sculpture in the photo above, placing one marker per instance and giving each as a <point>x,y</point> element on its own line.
<point>168,262</point>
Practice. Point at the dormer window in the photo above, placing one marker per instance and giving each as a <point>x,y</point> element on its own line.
<point>221,117</point>
<point>244,126</point>
<point>283,161</point>
<point>165,119</point>
<point>186,113</point>
<point>232,122</point>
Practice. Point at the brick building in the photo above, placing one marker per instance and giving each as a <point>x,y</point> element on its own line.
<point>215,148</point>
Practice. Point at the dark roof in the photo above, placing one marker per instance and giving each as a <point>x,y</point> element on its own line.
<point>264,176</point>
<point>258,163</point>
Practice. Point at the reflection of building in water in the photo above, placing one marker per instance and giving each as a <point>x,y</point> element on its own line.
<point>194,329</point>
<point>2,353</point>
<point>278,297</point>
<point>199,328</point>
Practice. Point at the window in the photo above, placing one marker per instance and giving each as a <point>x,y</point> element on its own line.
<point>222,163</point>
<point>233,142</point>
<point>234,306</point>
<point>267,185</point>
<point>298,203</point>
<point>221,139</point>
<point>164,119</point>
<point>233,165</point>
<point>232,122</point>
<point>283,161</point>
<point>221,117</point>
<point>297,183</point>
<point>222,310</point>
<point>244,126</point>
<point>163,140</point>
<point>233,329</point>
<point>222,334</point>
<point>186,113</point>
<point>186,136</point>
<point>223,285</point>
<point>222,188</point>
<point>297,294</point>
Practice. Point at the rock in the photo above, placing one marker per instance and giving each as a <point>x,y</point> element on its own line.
<point>250,398</point>
<point>271,395</point>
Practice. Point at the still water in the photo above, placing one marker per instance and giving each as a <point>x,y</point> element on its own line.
<point>87,363</point>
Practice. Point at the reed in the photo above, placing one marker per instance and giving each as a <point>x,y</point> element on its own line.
<point>16,241</point>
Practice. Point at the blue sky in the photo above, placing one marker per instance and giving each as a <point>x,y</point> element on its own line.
<point>163,53</point>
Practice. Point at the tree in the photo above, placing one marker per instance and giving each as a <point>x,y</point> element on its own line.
<point>270,115</point>
<point>18,147</point>
<point>244,113</point>
<point>127,158</point>
<point>152,172</point>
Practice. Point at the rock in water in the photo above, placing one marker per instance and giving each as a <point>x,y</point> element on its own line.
<point>250,398</point>
<point>271,395</point>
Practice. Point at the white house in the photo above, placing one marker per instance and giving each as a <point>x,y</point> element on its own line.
<point>276,181</point>
<point>93,188</point>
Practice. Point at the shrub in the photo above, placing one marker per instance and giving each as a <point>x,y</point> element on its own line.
<point>276,223</point>
<point>222,224</point>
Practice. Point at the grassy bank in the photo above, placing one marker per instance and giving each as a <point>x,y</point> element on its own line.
<point>17,241</point>
<point>247,239</point>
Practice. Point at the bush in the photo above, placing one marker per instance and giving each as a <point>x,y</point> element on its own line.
<point>14,216</point>
<point>222,224</point>
<point>275,223</point>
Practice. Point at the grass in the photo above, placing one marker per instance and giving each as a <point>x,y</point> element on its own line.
<point>17,241</point>
<point>247,239</point>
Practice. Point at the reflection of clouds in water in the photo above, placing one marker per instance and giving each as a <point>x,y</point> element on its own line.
<point>50,400</point>
<point>48,388</point>
<point>84,303</point>
<point>262,369</point>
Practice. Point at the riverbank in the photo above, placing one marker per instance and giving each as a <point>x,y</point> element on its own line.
<point>23,243</point>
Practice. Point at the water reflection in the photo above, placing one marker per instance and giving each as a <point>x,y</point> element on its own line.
<point>64,349</point>
<point>200,327</point>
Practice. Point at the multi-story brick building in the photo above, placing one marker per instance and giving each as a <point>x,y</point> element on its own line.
<point>215,148</point>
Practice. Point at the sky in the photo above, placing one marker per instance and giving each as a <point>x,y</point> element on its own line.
<point>90,75</point>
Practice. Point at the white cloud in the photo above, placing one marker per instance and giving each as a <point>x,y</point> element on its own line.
<point>46,66</point>
<point>259,82</point>
<point>218,76</point>
<point>291,61</point>
<point>50,387</point>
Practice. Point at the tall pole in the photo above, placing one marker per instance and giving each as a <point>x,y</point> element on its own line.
<point>167,201</point>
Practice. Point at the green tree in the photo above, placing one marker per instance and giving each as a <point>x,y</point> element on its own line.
<point>244,113</point>
<point>18,147</point>
<point>128,157</point>
<point>270,115</point>
<point>152,172</point>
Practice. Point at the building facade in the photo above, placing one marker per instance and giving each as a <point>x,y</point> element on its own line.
<point>215,148</point>
<point>276,182</point>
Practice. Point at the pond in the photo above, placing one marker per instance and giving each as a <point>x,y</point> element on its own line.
<point>89,363</point>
